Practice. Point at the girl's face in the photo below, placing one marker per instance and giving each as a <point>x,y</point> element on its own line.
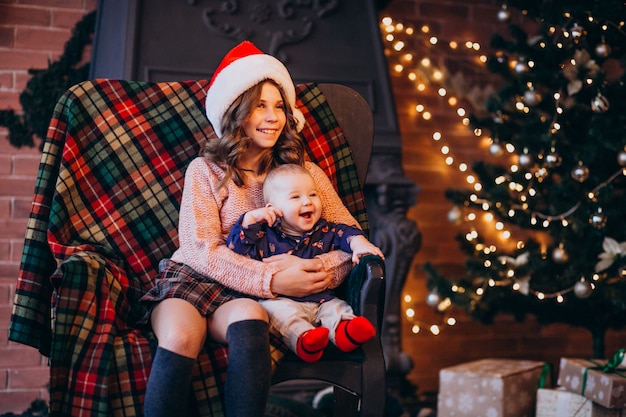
<point>297,197</point>
<point>267,119</point>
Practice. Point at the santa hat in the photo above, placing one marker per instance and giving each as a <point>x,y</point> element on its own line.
<point>242,68</point>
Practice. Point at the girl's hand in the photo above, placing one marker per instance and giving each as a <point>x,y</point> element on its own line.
<point>298,277</point>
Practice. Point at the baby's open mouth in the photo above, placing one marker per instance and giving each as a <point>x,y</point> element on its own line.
<point>307,215</point>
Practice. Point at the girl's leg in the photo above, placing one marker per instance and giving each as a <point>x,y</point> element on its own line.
<point>181,332</point>
<point>243,324</point>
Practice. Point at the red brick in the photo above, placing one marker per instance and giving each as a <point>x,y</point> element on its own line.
<point>17,246</point>
<point>26,163</point>
<point>24,355</point>
<point>10,100</point>
<point>90,4</point>
<point>7,149</point>
<point>30,377</point>
<point>5,250</point>
<point>5,207</point>
<point>5,165</point>
<point>19,401</point>
<point>4,379</point>
<point>64,18</point>
<point>24,60</point>
<point>21,79</point>
<point>6,80</point>
<point>21,207</point>
<point>42,39</point>
<point>6,293</point>
<point>5,315</point>
<point>13,228</point>
<point>16,186</point>
<point>9,269</point>
<point>68,4</point>
<point>19,15</point>
<point>7,37</point>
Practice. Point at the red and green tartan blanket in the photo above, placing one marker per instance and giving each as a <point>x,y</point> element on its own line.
<point>104,213</point>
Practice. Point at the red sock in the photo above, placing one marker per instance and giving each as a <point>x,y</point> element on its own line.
<point>351,334</point>
<point>311,344</point>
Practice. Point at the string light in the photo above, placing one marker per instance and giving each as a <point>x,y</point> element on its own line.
<point>426,75</point>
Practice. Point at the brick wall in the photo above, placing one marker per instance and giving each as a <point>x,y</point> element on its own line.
<point>32,33</point>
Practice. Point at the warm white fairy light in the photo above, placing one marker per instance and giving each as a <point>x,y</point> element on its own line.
<point>427,76</point>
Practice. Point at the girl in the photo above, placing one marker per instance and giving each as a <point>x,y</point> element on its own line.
<point>205,289</point>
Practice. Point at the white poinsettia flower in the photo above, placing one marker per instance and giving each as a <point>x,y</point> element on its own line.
<point>612,251</point>
<point>522,259</point>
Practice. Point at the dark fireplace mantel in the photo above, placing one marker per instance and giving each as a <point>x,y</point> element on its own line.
<point>332,41</point>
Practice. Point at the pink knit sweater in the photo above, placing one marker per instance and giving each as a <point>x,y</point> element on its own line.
<point>207,215</point>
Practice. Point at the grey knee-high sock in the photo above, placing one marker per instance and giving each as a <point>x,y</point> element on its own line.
<point>249,368</point>
<point>169,384</point>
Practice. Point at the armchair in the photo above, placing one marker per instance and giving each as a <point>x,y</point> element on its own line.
<point>104,214</point>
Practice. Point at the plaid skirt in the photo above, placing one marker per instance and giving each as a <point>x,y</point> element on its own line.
<point>176,280</point>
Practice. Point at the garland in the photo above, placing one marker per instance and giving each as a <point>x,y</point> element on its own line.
<point>45,88</point>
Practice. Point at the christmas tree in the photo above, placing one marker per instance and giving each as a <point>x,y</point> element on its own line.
<point>558,127</point>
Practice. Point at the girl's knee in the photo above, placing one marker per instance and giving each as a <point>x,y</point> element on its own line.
<point>179,327</point>
<point>250,310</point>
<point>185,342</point>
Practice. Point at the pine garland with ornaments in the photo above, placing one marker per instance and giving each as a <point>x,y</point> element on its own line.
<point>558,130</point>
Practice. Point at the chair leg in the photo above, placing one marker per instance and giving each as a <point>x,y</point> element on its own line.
<point>344,403</point>
<point>371,406</point>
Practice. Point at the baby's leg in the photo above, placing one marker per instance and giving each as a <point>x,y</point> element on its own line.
<point>347,330</point>
<point>293,320</point>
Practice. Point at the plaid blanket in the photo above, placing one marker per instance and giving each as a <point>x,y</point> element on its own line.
<point>104,214</point>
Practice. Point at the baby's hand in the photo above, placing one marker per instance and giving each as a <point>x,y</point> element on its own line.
<point>261,215</point>
<point>361,246</point>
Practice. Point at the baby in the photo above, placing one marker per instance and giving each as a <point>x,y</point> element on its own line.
<point>291,223</point>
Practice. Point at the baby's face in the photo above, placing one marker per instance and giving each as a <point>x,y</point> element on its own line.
<point>298,198</point>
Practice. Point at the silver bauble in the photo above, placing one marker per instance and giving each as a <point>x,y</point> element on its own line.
<point>553,159</point>
<point>598,219</point>
<point>580,173</point>
<point>525,160</point>
<point>495,149</point>
<point>521,67</point>
<point>576,31</point>
<point>621,158</point>
<point>599,104</point>
<point>504,14</point>
<point>455,215</point>
<point>433,299</point>
<point>583,289</point>
<point>603,50</point>
<point>531,98</point>
<point>559,255</point>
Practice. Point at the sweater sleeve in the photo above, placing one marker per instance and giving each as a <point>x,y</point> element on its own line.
<point>203,222</point>
<point>333,210</point>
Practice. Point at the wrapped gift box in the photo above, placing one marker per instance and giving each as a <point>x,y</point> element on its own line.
<point>489,387</point>
<point>559,402</point>
<point>605,388</point>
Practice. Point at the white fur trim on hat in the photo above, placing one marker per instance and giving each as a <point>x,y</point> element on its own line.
<point>239,76</point>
